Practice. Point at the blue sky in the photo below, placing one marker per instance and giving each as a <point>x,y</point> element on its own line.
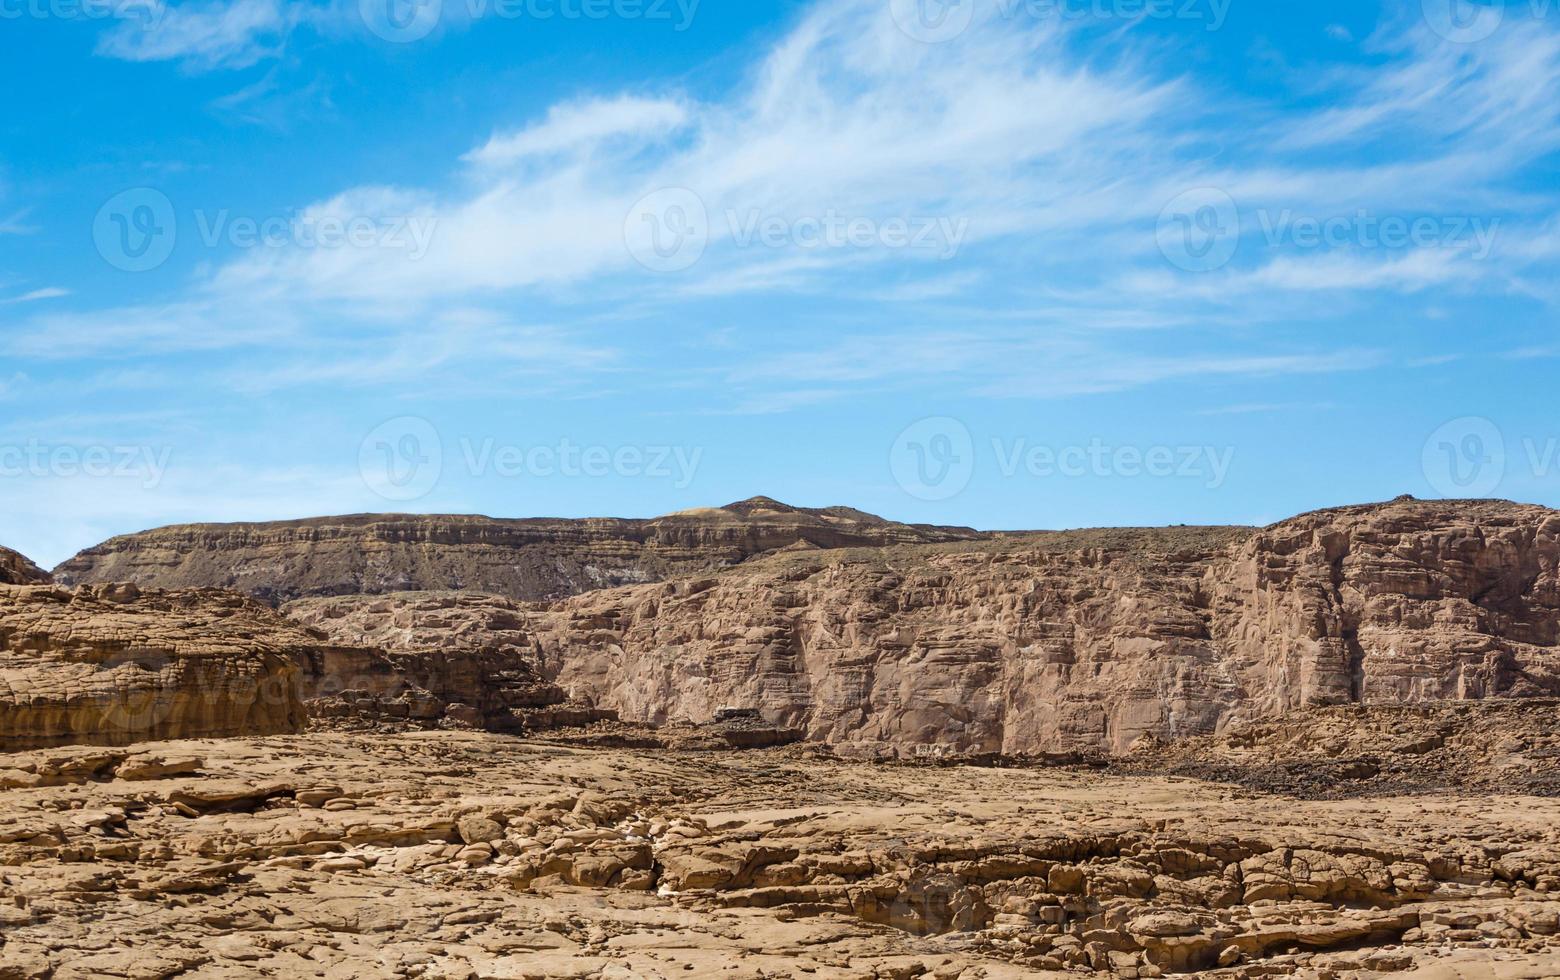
<point>1005,263</point>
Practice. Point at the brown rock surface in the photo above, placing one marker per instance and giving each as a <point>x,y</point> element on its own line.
<point>1062,642</point>
<point>523,559</point>
<point>109,665</point>
<point>1350,751</point>
<point>15,569</point>
<point>454,658</point>
<point>445,854</point>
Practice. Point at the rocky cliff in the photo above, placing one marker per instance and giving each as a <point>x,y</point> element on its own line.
<point>456,659</point>
<point>1065,642</point>
<point>15,569</point>
<point>522,559</point>
<point>110,666</point>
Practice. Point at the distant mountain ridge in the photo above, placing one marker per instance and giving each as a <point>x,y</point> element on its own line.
<point>523,559</point>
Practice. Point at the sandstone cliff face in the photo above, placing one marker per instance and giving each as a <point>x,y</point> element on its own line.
<point>459,659</point>
<point>15,569</point>
<point>523,559</point>
<point>1078,641</point>
<point>110,666</point>
<point>1411,601</point>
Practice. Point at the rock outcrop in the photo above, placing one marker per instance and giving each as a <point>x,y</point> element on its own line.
<point>455,659</point>
<point>15,569</point>
<point>462,854</point>
<point>521,559</point>
<point>110,665</point>
<point>1058,642</point>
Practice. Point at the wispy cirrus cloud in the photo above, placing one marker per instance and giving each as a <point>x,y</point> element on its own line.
<point>206,36</point>
<point>1054,156</point>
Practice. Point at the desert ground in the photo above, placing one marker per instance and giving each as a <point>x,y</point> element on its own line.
<point>465,854</point>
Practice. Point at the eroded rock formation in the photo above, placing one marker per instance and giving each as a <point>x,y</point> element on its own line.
<point>1053,643</point>
<point>15,569</point>
<point>454,658</point>
<point>461,854</point>
<point>110,665</point>
<point>523,559</point>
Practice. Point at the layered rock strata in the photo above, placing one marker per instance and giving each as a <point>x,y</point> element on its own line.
<point>522,559</point>
<point>111,665</point>
<point>1054,643</point>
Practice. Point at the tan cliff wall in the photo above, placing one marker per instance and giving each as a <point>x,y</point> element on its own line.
<point>522,559</point>
<point>110,666</point>
<point>1039,647</point>
<point>1042,643</point>
<point>1408,602</point>
<point>431,658</point>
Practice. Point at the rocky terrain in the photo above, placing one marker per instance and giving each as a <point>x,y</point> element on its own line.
<point>1496,747</point>
<point>521,559</point>
<point>1329,748</point>
<point>17,570</point>
<point>1047,643</point>
<point>443,854</point>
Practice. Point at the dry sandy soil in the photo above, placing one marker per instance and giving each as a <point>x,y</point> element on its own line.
<point>450,854</point>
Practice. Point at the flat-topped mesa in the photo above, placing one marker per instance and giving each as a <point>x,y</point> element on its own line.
<point>522,559</point>
<point>16,569</point>
<point>110,666</point>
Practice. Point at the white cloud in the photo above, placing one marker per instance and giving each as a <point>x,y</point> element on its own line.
<point>48,292</point>
<point>585,125</point>
<point>210,35</point>
<point>1058,158</point>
